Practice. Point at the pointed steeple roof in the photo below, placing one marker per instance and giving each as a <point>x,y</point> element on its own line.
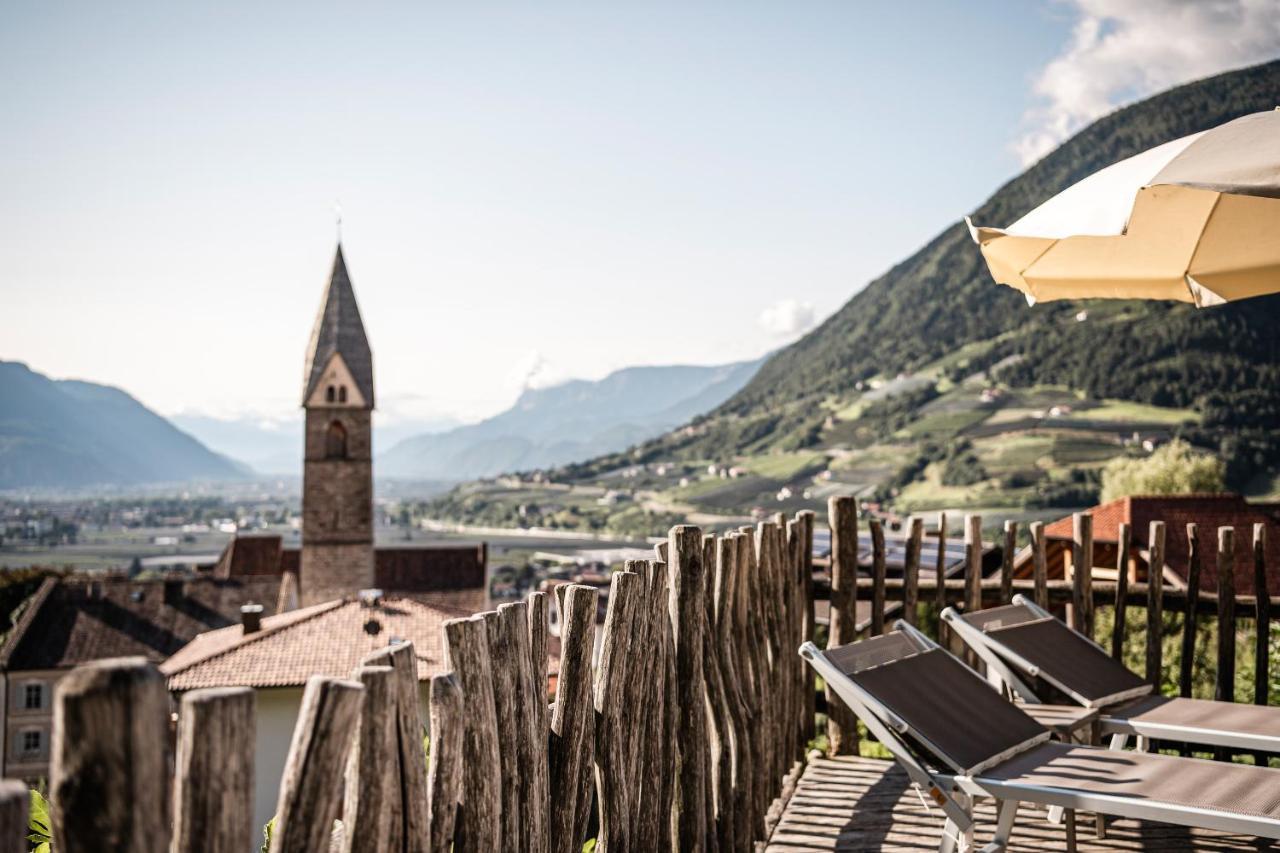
<point>338,329</point>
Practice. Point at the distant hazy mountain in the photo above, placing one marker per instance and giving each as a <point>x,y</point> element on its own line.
<point>275,446</point>
<point>569,422</point>
<point>56,434</point>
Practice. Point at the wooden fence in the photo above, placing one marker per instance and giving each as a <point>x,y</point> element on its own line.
<point>687,730</point>
<point>1080,596</point>
<point>686,734</point>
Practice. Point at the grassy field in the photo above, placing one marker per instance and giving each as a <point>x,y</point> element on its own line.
<point>1122,411</point>
<point>785,466</point>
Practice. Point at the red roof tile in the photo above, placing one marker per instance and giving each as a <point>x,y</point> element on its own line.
<point>326,639</point>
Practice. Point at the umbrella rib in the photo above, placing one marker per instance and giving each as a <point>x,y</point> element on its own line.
<point>1186,274</point>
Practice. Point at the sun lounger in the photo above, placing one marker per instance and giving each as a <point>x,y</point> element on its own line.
<point>1020,643</point>
<point>957,738</point>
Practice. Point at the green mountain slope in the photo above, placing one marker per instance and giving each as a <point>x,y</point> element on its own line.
<point>938,312</point>
<point>73,434</point>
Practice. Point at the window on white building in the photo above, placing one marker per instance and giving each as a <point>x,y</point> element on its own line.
<point>31,742</point>
<point>33,696</point>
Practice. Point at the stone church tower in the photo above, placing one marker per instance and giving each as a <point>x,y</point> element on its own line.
<point>337,474</point>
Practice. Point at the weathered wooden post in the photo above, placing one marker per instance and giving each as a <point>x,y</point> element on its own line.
<point>720,718</point>
<point>1082,572</point>
<point>713,744</point>
<point>213,771</point>
<point>973,563</point>
<point>911,572</point>
<point>1039,564</point>
<point>503,664</point>
<point>1193,600</point>
<point>1155,603</point>
<point>877,576</point>
<point>940,569</point>
<point>310,795</point>
<point>529,697</point>
<point>842,627</point>
<point>687,613</point>
<point>539,724</point>
<point>467,652</point>
<point>573,722</point>
<point>110,770</point>
<point>444,773</point>
<point>1006,560</point>
<point>611,744</point>
<point>810,687</point>
<point>1224,682</point>
<point>1124,538</point>
<point>1262,613</point>
<point>725,636</point>
<point>15,800</point>
<point>412,770</point>
<point>371,811</point>
<point>653,809</point>
<point>755,643</point>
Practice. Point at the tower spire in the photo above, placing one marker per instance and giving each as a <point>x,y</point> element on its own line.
<point>339,331</point>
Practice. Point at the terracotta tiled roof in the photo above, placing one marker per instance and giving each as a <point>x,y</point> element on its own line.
<point>1209,512</point>
<point>326,639</point>
<point>75,620</point>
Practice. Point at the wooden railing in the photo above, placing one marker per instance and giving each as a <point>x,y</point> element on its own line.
<point>688,733</point>
<point>1080,596</point>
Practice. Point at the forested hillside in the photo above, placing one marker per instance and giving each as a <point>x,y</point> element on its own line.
<point>940,308</point>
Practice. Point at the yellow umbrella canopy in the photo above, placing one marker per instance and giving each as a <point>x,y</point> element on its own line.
<point>1196,220</point>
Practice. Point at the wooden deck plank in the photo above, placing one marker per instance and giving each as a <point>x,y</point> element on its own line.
<point>852,804</point>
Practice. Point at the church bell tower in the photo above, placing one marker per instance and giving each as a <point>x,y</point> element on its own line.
<point>337,471</point>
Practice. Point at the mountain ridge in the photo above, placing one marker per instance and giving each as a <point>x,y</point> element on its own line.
<point>940,301</point>
<point>71,433</point>
<point>569,421</point>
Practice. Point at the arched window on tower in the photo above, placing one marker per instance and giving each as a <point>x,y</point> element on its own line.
<point>335,441</point>
<point>329,394</point>
<point>342,393</point>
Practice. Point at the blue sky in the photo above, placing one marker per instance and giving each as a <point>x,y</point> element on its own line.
<point>529,191</point>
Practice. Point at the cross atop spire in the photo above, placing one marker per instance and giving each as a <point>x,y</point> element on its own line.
<point>339,330</point>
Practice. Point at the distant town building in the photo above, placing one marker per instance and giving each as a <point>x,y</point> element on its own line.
<point>1207,511</point>
<point>70,621</point>
<point>337,471</point>
<point>338,558</point>
<point>276,655</point>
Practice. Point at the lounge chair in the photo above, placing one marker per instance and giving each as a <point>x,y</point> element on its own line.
<point>1020,643</point>
<point>958,738</point>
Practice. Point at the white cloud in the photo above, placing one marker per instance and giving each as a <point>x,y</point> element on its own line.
<point>1122,50</point>
<point>534,371</point>
<point>787,318</point>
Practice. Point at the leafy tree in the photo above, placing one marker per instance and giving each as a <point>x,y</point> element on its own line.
<point>1174,469</point>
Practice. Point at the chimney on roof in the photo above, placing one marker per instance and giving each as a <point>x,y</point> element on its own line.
<point>251,618</point>
<point>172,591</point>
<point>369,597</point>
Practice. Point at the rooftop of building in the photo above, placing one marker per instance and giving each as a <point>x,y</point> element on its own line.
<point>73,620</point>
<point>1208,512</point>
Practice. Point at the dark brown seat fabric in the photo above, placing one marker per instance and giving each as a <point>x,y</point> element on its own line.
<point>947,704</point>
<point>1186,782</point>
<point>1202,714</point>
<point>1068,658</point>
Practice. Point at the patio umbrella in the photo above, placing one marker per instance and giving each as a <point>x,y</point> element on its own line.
<point>1196,220</point>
